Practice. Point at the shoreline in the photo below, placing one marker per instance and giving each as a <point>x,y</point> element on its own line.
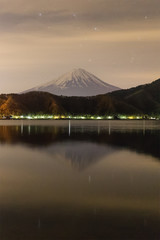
<point>78,119</point>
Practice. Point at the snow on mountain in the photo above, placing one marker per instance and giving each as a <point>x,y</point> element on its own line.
<point>78,82</point>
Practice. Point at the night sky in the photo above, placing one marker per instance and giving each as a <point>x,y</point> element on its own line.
<point>117,40</point>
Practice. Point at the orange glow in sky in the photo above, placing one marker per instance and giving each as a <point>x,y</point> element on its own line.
<point>118,41</point>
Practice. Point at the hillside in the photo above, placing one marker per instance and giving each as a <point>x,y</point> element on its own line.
<point>144,99</point>
<point>33,102</point>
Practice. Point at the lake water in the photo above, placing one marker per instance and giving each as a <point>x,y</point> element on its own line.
<point>80,180</point>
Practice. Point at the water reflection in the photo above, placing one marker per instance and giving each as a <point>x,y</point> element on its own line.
<point>84,143</point>
<point>79,180</point>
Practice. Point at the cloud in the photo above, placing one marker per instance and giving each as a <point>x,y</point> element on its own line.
<point>114,39</point>
<point>41,15</point>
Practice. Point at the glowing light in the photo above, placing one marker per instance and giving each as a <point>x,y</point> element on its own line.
<point>110,117</point>
<point>121,117</point>
<point>56,117</point>
<point>130,117</point>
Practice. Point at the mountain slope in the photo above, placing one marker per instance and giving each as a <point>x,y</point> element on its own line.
<point>146,97</point>
<point>30,103</point>
<point>46,103</point>
<point>76,83</point>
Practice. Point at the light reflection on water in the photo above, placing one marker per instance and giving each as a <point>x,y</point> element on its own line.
<point>79,180</point>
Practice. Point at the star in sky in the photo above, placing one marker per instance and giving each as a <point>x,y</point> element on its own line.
<point>74,15</point>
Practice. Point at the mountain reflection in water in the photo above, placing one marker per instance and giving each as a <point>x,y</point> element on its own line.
<point>79,180</point>
<point>83,144</point>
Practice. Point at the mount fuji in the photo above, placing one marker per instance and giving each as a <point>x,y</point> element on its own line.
<point>78,82</point>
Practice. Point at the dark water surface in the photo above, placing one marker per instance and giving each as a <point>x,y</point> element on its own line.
<point>81,180</point>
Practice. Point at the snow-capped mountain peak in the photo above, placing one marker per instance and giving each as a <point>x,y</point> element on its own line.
<point>78,82</point>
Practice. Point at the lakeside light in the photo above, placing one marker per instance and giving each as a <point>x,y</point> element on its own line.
<point>83,117</point>
<point>16,117</point>
<point>123,117</point>
<point>131,117</point>
<point>56,117</point>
